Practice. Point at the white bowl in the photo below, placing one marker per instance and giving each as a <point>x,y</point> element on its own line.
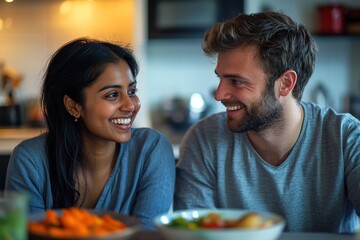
<point>132,223</point>
<point>175,233</point>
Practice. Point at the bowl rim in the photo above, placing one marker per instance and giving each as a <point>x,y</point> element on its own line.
<point>133,224</point>
<point>279,220</point>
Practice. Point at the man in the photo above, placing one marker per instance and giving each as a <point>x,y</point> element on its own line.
<point>270,151</point>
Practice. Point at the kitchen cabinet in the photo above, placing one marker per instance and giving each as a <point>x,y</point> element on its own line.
<point>4,160</point>
<point>188,19</point>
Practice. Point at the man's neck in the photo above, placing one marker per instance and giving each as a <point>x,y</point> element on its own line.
<point>275,144</point>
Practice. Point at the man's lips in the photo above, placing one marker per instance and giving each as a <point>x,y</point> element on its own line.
<point>234,107</point>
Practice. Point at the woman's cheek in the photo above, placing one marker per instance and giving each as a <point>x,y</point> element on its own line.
<point>137,104</point>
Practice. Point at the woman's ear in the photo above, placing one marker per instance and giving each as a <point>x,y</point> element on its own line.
<point>288,80</point>
<point>71,106</point>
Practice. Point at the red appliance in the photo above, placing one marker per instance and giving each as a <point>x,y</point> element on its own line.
<point>331,19</point>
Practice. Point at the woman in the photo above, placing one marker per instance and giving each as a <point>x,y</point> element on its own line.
<point>91,157</point>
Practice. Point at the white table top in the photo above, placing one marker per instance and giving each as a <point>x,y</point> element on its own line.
<point>317,236</point>
<point>10,137</point>
<point>156,235</point>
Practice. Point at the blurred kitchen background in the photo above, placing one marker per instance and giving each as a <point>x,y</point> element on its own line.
<point>176,80</point>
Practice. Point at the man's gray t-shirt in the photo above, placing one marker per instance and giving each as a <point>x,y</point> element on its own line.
<point>317,187</point>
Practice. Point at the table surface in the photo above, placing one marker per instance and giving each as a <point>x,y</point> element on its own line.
<point>10,137</point>
<point>155,235</point>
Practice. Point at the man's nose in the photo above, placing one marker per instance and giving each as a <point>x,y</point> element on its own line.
<point>221,92</point>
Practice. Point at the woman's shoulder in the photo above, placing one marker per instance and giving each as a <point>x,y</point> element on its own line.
<point>30,154</point>
<point>148,138</point>
<point>146,142</point>
<point>34,144</point>
<point>40,139</point>
<point>146,134</point>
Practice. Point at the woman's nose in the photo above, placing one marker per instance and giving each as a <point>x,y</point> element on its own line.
<point>127,104</point>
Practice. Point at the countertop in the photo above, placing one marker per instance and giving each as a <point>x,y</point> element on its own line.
<point>156,235</point>
<point>10,137</point>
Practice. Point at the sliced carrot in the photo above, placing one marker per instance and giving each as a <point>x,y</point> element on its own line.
<point>37,228</point>
<point>75,222</point>
<point>52,218</point>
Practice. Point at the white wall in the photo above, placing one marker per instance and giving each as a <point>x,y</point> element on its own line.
<point>179,66</point>
<point>31,30</point>
<point>174,67</point>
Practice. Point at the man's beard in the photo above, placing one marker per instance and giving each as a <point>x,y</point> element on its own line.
<point>262,115</point>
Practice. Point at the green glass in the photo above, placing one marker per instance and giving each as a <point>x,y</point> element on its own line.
<point>13,215</point>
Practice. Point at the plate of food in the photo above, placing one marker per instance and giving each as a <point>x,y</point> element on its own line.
<point>217,224</point>
<point>81,224</point>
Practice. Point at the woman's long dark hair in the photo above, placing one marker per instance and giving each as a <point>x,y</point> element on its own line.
<point>73,67</point>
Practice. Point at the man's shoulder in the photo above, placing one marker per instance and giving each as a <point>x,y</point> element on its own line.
<point>210,126</point>
<point>213,120</point>
<point>326,113</point>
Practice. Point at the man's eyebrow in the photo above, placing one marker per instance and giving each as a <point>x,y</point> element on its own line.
<point>230,75</point>
<point>132,83</point>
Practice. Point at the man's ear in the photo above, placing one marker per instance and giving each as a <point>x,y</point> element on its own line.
<point>71,106</point>
<point>288,80</point>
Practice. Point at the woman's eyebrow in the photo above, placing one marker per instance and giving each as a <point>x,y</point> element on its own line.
<point>109,86</point>
<point>115,86</point>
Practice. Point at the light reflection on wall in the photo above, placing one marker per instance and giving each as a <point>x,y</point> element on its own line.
<point>5,24</point>
<point>65,7</point>
<point>8,23</point>
<point>80,13</point>
<point>109,19</point>
<point>31,30</point>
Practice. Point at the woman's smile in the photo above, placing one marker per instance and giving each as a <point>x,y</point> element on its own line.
<point>121,121</point>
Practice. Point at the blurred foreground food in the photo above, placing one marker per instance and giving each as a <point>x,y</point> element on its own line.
<point>216,221</point>
<point>75,223</point>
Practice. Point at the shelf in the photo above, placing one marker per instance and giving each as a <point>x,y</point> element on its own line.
<point>352,35</point>
<point>333,35</point>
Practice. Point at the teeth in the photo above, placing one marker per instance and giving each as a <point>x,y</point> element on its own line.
<point>233,108</point>
<point>121,121</point>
